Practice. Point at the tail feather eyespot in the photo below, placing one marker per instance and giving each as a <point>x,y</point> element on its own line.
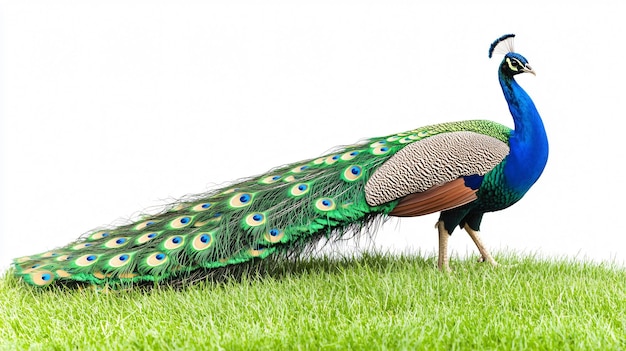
<point>319,161</point>
<point>299,189</point>
<point>350,155</point>
<point>62,258</point>
<point>116,242</point>
<point>156,259</point>
<point>240,200</point>
<point>86,260</point>
<point>144,224</point>
<point>257,251</point>
<point>325,204</point>
<point>99,235</point>
<point>380,150</point>
<point>41,278</point>
<point>202,241</point>
<point>202,207</point>
<point>378,144</point>
<point>174,242</point>
<point>81,246</point>
<point>181,222</point>
<point>332,159</point>
<point>146,237</point>
<point>270,179</point>
<point>352,173</point>
<point>255,219</point>
<point>274,235</point>
<point>120,260</point>
<point>299,169</point>
<point>62,273</point>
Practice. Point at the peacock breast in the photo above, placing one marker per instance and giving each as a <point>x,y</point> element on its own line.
<point>495,193</point>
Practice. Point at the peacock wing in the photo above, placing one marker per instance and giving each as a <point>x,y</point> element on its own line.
<point>437,173</point>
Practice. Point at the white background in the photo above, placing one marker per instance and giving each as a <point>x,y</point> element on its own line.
<point>111,108</point>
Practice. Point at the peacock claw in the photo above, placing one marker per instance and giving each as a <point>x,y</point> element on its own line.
<point>485,256</point>
<point>489,259</point>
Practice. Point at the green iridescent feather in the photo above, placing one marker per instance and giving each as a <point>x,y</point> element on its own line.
<point>284,210</point>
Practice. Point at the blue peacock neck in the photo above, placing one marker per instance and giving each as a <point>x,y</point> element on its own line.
<point>528,141</point>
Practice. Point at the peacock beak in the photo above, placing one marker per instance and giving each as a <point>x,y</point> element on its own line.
<point>528,69</point>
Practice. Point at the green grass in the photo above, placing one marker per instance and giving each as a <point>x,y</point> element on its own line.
<point>376,302</point>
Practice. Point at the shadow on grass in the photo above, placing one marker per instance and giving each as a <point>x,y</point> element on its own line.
<point>280,268</point>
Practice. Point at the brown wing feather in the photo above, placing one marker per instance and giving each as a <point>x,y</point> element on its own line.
<point>439,198</point>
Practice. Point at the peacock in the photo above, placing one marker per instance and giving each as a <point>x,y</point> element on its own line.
<point>460,169</point>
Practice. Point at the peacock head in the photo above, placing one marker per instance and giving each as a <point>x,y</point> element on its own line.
<point>513,63</point>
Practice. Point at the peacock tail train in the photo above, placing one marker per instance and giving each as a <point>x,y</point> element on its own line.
<point>286,209</point>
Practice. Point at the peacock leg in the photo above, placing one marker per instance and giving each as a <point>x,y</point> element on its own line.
<point>484,254</point>
<point>443,263</point>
